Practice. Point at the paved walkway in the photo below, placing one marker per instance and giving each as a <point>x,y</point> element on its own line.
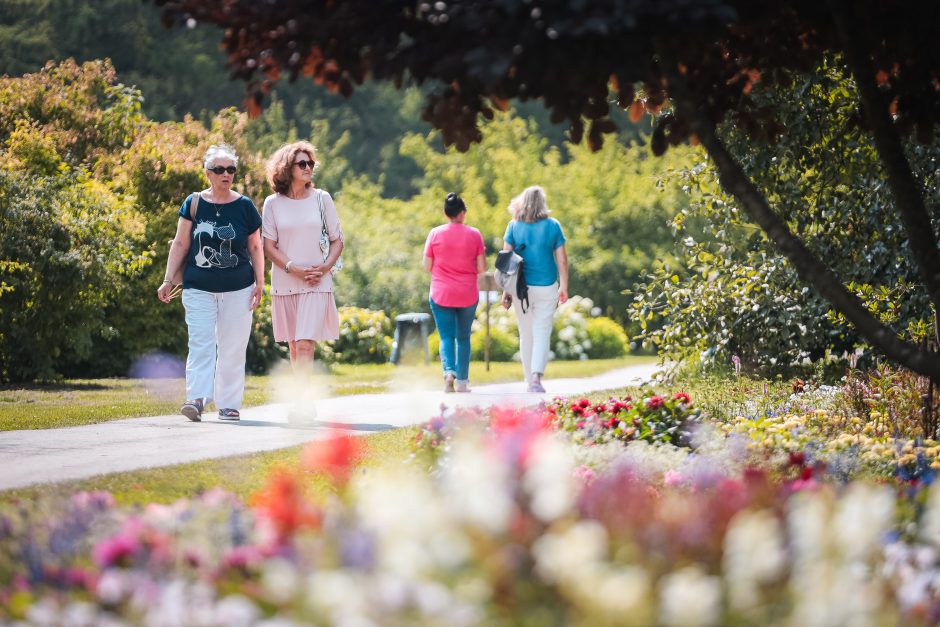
<point>49,455</point>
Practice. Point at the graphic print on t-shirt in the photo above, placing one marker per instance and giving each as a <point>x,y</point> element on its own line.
<point>208,257</point>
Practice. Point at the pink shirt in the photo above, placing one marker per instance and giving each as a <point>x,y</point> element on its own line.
<point>454,247</point>
<point>295,226</point>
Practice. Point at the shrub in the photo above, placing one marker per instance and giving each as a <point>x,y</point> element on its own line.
<point>608,339</point>
<point>365,337</point>
<point>503,344</point>
<point>569,334</point>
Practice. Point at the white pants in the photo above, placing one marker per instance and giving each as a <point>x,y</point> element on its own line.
<point>219,326</point>
<point>535,327</point>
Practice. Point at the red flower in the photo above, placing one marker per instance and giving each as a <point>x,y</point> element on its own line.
<point>282,502</point>
<point>600,408</point>
<point>335,456</point>
<point>655,402</point>
<point>584,402</point>
<point>799,386</point>
<point>682,397</point>
<point>797,459</point>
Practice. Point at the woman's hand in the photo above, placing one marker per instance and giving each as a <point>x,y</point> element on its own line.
<point>313,274</point>
<point>256,295</point>
<point>563,295</point>
<point>165,290</point>
<point>507,300</point>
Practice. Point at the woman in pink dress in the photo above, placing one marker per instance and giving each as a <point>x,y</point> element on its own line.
<point>303,309</point>
<point>454,255</point>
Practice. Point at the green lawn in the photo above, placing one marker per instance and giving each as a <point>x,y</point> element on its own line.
<point>80,402</point>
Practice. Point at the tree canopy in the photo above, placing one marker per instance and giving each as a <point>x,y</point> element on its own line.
<point>694,64</point>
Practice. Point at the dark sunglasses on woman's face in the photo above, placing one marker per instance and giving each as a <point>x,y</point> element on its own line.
<point>303,165</point>
<point>219,169</point>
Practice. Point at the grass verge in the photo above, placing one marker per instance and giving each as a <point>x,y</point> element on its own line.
<point>241,475</point>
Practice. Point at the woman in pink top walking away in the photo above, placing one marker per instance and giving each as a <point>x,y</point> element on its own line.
<point>454,255</point>
<point>302,306</point>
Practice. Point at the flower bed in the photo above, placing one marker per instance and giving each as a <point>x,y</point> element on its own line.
<point>626,512</point>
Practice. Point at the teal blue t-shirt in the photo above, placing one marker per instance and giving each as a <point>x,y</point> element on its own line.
<point>218,259</point>
<point>541,239</point>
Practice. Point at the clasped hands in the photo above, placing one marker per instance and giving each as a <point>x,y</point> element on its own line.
<point>310,274</point>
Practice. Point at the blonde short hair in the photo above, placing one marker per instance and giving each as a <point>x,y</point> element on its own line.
<point>219,151</point>
<point>280,166</point>
<point>530,205</point>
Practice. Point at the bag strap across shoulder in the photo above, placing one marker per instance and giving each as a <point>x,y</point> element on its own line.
<point>323,228</point>
<point>194,205</point>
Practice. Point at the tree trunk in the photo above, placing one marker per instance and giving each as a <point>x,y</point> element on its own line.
<point>734,180</point>
<point>908,196</point>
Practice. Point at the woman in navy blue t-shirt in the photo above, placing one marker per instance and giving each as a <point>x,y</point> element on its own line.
<point>217,253</point>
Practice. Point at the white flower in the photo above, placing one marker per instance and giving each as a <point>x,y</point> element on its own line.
<point>549,478</point>
<point>863,515</point>
<point>236,610</point>
<point>475,485</point>
<point>564,556</point>
<point>279,579</point>
<point>753,554</point>
<point>930,525</point>
<point>689,598</point>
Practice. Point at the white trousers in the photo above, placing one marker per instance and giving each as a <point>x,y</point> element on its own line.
<point>219,326</point>
<point>535,327</point>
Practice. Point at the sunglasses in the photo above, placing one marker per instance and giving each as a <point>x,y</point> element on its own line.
<point>303,165</point>
<point>219,169</point>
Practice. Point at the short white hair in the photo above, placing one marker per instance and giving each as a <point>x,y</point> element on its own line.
<point>219,151</point>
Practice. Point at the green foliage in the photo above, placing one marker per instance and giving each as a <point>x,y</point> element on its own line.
<point>577,333</point>
<point>654,419</point>
<point>730,295</point>
<point>608,338</point>
<point>614,214</point>
<point>365,337</point>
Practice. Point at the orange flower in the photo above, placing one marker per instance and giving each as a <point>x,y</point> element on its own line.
<point>283,504</point>
<point>336,456</point>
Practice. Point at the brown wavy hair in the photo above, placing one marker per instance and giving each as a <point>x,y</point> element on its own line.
<point>280,166</point>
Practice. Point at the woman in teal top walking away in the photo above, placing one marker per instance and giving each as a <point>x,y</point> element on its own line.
<point>540,241</point>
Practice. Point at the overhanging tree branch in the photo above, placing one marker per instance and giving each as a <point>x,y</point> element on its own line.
<point>904,187</point>
<point>734,180</point>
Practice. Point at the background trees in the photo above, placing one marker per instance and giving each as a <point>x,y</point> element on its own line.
<point>90,187</point>
<point>710,58</point>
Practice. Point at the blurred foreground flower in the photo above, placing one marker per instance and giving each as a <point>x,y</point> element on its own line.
<point>336,456</point>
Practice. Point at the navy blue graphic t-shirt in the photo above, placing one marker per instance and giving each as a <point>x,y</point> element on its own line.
<point>218,258</point>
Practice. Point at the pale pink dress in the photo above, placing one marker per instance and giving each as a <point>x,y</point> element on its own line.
<point>300,311</point>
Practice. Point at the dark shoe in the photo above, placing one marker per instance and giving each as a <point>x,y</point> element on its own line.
<point>229,414</point>
<point>192,410</point>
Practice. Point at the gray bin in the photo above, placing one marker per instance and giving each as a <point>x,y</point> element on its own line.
<point>411,335</point>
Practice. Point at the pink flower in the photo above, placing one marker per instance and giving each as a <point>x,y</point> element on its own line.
<point>672,478</point>
<point>585,474</point>
<point>116,550</point>
<point>682,397</point>
<point>655,402</point>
